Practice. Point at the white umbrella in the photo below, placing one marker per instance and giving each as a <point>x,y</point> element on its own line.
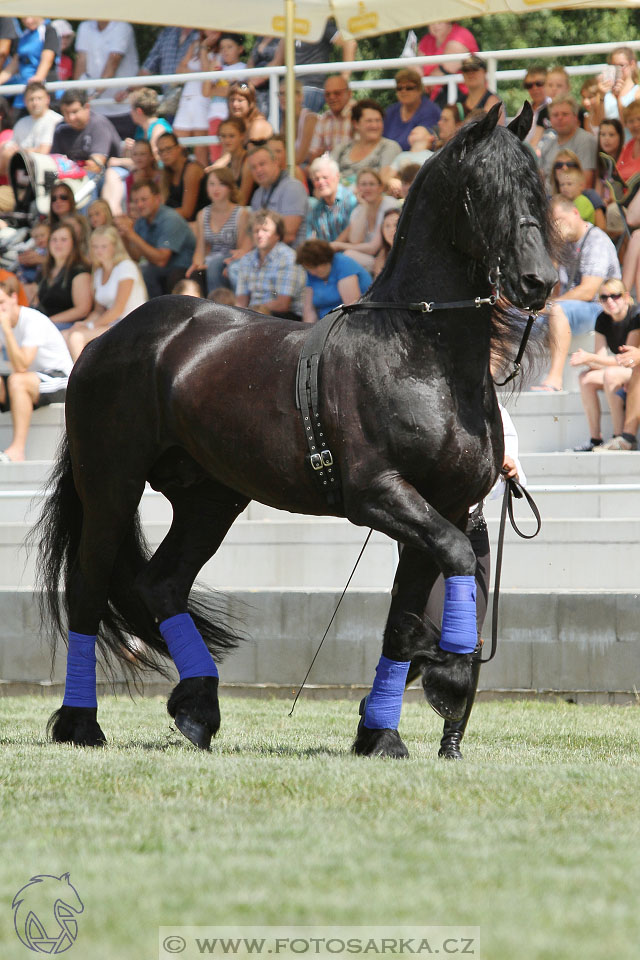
<point>294,19</point>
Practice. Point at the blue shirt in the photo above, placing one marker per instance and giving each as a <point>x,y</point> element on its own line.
<point>395,128</point>
<point>326,295</point>
<point>169,230</point>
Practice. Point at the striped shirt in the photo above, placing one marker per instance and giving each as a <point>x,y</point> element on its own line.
<point>331,131</point>
<point>278,276</point>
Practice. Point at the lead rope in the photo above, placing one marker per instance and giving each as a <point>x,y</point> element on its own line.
<point>333,615</point>
<point>511,489</point>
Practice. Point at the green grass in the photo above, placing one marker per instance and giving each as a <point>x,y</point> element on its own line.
<point>534,837</point>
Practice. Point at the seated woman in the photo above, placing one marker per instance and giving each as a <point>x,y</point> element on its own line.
<point>388,232</point>
<point>99,214</point>
<point>449,123</point>
<point>362,238</point>
<point>332,279</point>
<point>242,104</point>
<point>479,97</point>
<point>618,324</point>
<point>368,148</point>
<point>222,230</point>
<point>62,203</point>
<point>64,293</point>
<point>118,289</point>
<point>412,109</point>
<point>232,133</point>
<point>183,179</point>
<point>628,164</point>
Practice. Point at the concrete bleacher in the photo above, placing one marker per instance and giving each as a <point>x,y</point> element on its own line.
<point>568,621</point>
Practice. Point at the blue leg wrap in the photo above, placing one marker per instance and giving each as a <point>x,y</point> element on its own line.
<point>459,625</point>
<point>187,647</point>
<point>384,703</point>
<point>80,686</point>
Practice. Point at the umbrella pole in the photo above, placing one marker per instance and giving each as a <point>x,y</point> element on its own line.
<point>290,85</point>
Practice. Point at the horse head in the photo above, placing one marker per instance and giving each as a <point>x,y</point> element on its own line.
<point>500,211</point>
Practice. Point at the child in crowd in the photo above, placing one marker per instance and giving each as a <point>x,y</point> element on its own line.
<point>38,242</point>
<point>223,295</point>
<point>421,141</point>
<point>188,288</point>
<point>572,185</point>
<point>407,176</point>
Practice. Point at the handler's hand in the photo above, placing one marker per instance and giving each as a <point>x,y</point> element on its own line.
<point>509,468</point>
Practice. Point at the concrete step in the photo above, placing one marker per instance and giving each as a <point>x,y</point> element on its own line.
<point>45,431</point>
<point>583,553</point>
<point>548,422</point>
<point>567,642</point>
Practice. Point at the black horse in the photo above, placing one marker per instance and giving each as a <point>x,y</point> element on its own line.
<point>200,401</point>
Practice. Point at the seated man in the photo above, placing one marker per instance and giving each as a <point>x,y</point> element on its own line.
<point>160,235</point>
<point>563,115</point>
<point>278,192</point>
<point>591,259</point>
<point>40,365</point>
<point>268,278</point>
<point>628,358</point>
<point>87,138</point>
<point>332,203</point>
<point>334,126</point>
<point>34,133</point>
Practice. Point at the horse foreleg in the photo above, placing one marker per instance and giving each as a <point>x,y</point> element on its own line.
<point>202,516</point>
<point>432,544</point>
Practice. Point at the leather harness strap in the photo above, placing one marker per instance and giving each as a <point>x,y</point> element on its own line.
<point>320,458</point>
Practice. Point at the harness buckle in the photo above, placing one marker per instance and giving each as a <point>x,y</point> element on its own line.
<point>327,458</point>
<point>426,307</point>
<point>316,461</point>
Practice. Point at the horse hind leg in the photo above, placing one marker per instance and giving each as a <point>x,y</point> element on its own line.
<point>202,515</point>
<point>107,524</point>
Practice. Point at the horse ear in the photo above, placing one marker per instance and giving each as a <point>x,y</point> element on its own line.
<point>473,133</point>
<point>521,124</point>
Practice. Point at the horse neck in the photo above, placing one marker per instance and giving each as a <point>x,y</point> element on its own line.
<point>428,268</point>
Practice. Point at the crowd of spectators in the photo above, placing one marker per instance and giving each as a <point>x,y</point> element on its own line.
<point>133,213</point>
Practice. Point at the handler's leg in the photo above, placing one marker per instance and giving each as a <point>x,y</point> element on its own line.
<point>24,390</point>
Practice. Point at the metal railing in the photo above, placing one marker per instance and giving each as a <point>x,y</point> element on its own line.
<point>492,57</point>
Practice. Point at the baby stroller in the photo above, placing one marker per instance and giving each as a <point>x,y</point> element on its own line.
<point>32,175</point>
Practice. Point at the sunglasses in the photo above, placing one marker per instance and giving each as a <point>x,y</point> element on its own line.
<point>530,84</point>
<point>407,86</point>
<point>568,164</point>
<point>238,86</point>
<point>609,296</point>
<point>60,196</point>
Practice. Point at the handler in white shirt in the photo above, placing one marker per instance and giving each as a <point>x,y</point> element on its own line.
<point>40,365</point>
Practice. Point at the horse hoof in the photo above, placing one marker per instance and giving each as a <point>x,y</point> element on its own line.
<point>193,705</point>
<point>76,725</point>
<point>379,743</point>
<point>197,733</point>
<point>447,684</point>
<point>450,747</point>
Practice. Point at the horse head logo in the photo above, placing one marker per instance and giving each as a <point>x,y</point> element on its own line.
<point>44,914</point>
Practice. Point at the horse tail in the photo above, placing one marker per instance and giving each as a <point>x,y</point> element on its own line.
<point>126,620</point>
